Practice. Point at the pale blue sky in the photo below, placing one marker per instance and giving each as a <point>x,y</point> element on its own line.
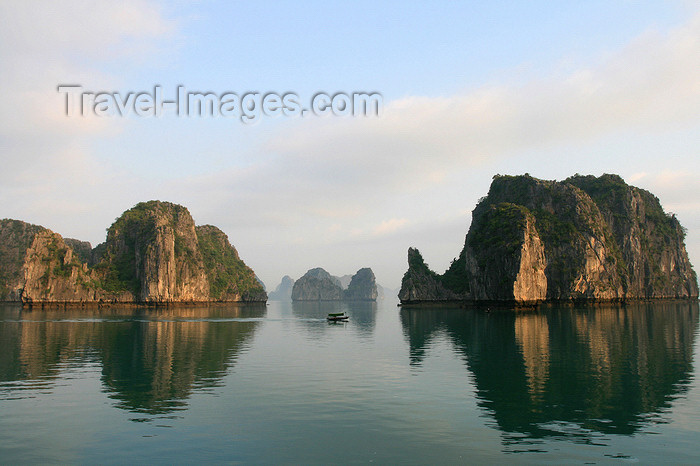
<point>470,89</point>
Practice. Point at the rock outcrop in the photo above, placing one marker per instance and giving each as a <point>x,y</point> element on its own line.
<point>153,254</point>
<point>36,264</point>
<point>422,284</point>
<point>585,238</point>
<point>283,292</point>
<point>82,249</point>
<point>16,237</point>
<point>319,285</point>
<point>362,286</point>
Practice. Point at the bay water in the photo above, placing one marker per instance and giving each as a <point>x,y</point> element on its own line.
<point>278,384</point>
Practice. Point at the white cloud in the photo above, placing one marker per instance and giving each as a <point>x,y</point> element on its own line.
<point>652,84</point>
<point>52,173</point>
<point>389,226</point>
<point>633,178</point>
<point>44,44</point>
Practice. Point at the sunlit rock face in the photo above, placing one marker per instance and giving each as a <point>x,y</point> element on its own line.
<point>153,254</point>
<point>585,238</point>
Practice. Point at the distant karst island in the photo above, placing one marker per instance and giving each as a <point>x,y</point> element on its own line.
<point>153,253</point>
<point>582,239</point>
<point>319,285</point>
<point>283,291</point>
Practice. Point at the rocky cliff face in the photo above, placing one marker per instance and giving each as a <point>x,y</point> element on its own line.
<point>319,285</point>
<point>36,265</point>
<point>649,242</point>
<point>54,273</point>
<point>81,249</point>
<point>283,292</point>
<point>585,238</point>
<point>153,254</point>
<point>152,251</point>
<point>362,286</point>
<point>16,237</point>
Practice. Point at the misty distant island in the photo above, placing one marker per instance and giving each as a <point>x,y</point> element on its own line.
<point>582,239</point>
<point>319,285</point>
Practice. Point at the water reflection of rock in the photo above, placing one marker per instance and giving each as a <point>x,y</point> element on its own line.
<point>151,359</point>
<point>363,314</point>
<point>567,373</point>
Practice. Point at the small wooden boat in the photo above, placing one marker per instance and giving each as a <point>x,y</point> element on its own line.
<point>338,317</point>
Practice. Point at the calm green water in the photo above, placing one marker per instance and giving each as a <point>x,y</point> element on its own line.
<point>279,384</point>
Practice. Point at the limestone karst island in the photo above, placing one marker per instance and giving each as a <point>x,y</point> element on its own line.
<point>581,239</point>
<point>153,253</point>
<point>319,285</point>
<point>530,241</point>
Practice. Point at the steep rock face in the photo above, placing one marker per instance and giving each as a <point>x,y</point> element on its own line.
<point>54,273</point>
<point>317,285</point>
<point>651,243</point>
<point>15,238</point>
<point>152,251</point>
<point>505,259</point>
<point>229,278</point>
<point>362,286</point>
<point>531,280</point>
<point>38,265</point>
<point>283,292</point>
<point>585,238</point>
<point>153,254</point>
<point>581,259</point>
<point>422,284</point>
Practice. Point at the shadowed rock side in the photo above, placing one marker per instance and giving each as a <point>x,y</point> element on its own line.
<point>422,284</point>
<point>362,287</point>
<point>584,238</point>
<point>153,254</point>
<point>319,285</point>
<point>229,278</point>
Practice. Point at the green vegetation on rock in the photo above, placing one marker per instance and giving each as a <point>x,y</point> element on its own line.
<point>593,237</point>
<point>153,253</point>
<point>228,274</point>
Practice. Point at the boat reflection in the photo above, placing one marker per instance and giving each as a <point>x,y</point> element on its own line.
<point>362,314</point>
